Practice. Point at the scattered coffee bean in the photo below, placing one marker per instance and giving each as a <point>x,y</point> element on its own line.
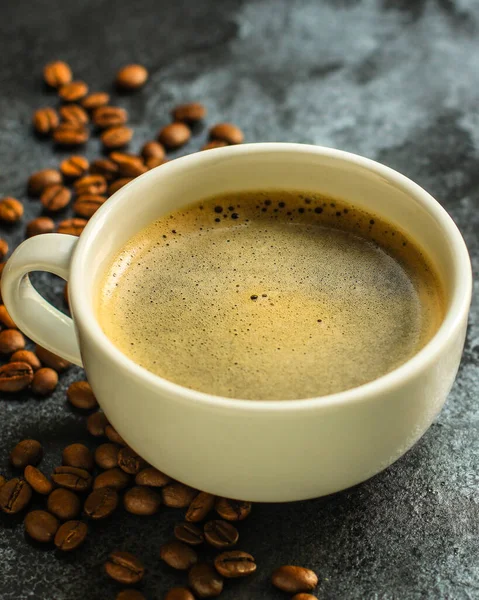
<point>205,581</point>
<point>45,380</point>
<point>179,594</point>
<point>200,507</point>
<point>72,478</point>
<point>74,113</point>
<point>72,226</point>
<point>78,455</point>
<point>73,91</point>
<point>129,165</point>
<point>40,225</point>
<point>101,503</point>
<point>129,461</point>
<point>109,116</point>
<point>152,150</point>
<point>74,167</point>
<point>116,137</point>
<point>86,205</point>
<point>131,77</point>
<point>227,132</point>
<point>3,481</point>
<point>26,452</point>
<point>45,120</point>
<point>15,495</point>
<point>41,525</point>
<point>39,482</point>
<point>235,563</point>
<point>96,424</point>
<point>303,597</point>
<point>55,197</point>
<point>39,180</point>
<point>106,455</point>
<point>232,510</point>
<point>52,360</point>
<point>152,163</point>
<point>118,184</point>
<point>70,134</point>
<point>80,395</point>
<point>292,579</point>
<point>15,376</point>
<point>113,435</point>
<point>95,100</point>
<point>178,555</point>
<point>6,319</point>
<point>188,533</point>
<point>27,357</point>
<point>57,73</point>
<point>214,144</point>
<point>141,500</point>
<point>11,210</point>
<point>90,184</point>
<point>124,567</point>
<point>114,478</point>
<point>3,248</point>
<point>221,534</point>
<point>152,477</point>
<point>130,595</point>
<point>192,112</point>
<point>70,535</point>
<point>64,504</point>
<point>178,495</point>
<point>11,340</point>
<point>105,167</point>
<point>174,135</point>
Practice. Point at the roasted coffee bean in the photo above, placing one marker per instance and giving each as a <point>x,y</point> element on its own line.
<point>200,507</point>
<point>72,226</point>
<point>214,144</point>
<point>124,567</point>
<point>40,225</point>
<point>55,197</point>
<point>80,395</point>
<point>15,376</point>
<point>78,455</point>
<point>52,360</point>
<point>129,461</point>
<point>90,184</point>
<point>96,424</point>
<point>116,137</point>
<point>221,534</point>
<point>188,533</point>
<point>39,482</point>
<point>41,525</point>
<point>292,579</point>
<point>45,380</point>
<point>232,510</point>
<point>109,116</point>
<point>227,132</point>
<point>15,495</point>
<point>3,481</point>
<point>105,167</point>
<point>179,594</point>
<point>11,210</point>
<point>101,503</point>
<point>129,165</point>
<point>178,555</point>
<point>70,134</point>
<point>235,563</point>
<point>3,248</point>
<point>131,77</point>
<point>70,535</point>
<point>113,435</point>
<point>192,112</point>
<point>95,100</point>
<point>141,500</point>
<point>119,183</point>
<point>27,357</point>
<point>74,113</point>
<point>86,205</point>
<point>152,163</point>
<point>152,477</point>
<point>11,340</point>
<point>65,295</point>
<point>205,581</point>
<point>174,135</point>
<point>64,504</point>
<point>6,319</point>
<point>26,452</point>
<point>57,73</point>
<point>152,150</point>
<point>45,120</point>
<point>72,478</point>
<point>73,91</point>
<point>38,181</point>
<point>303,597</point>
<point>178,495</point>
<point>106,455</point>
<point>114,478</point>
<point>130,595</point>
<point>74,167</point>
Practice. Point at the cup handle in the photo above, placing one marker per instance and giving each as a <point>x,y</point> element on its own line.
<point>37,318</point>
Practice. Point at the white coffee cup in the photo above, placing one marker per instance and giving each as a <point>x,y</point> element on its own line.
<point>252,450</point>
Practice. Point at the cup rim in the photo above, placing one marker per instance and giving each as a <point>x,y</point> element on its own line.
<point>459,305</point>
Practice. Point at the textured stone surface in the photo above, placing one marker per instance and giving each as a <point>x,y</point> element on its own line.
<point>395,80</point>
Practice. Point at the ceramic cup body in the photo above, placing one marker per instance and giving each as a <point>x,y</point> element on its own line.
<point>254,450</point>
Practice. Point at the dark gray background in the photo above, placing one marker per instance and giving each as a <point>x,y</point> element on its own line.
<point>395,80</point>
